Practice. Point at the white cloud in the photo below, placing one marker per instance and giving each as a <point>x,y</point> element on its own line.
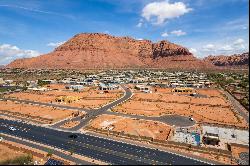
<point>106,32</point>
<point>239,41</point>
<point>193,51</point>
<point>241,23</point>
<point>52,44</point>
<point>226,48</point>
<point>239,44</point>
<point>163,11</point>
<point>208,47</point>
<point>178,32</point>
<point>139,25</point>
<point>244,27</point>
<point>230,47</point>
<point>9,53</point>
<point>165,34</point>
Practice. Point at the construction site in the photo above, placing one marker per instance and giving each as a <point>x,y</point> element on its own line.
<point>204,105</point>
<point>161,114</point>
<point>129,126</point>
<point>35,113</point>
<point>89,98</point>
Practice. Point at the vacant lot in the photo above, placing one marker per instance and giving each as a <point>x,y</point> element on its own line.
<point>70,124</point>
<point>7,153</point>
<point>130,126</point>
<point>213,109</point>
<point>237,150</point>
<point>89,98</point>
<point>33,112</point>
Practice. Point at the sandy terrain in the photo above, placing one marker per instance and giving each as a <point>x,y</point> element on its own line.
<point>70,124</point>
<point>210,92</point>
<point>37,154</point>
<point>151,129</point>
<point>6,153</point>
<point>89,98</point>
<point>39,113</point>
<point>213,109</point>
<point>236,150</point>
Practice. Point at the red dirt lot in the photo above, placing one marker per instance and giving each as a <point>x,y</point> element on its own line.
<point>34,112</point>
<point>89,98</point>
<point>136,127</point>
<point>70,124</point>
<point>213,109</point>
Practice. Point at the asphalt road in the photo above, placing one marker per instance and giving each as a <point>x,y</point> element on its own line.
<point>109,151</point>
<point>176,120</point>
<point>55,152</point>
<point>95,112</point>
<point>91,114</point>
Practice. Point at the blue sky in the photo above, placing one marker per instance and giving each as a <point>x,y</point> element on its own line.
<point>32,27</point>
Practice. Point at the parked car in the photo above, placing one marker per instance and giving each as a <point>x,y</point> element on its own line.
<point>192,119</point>
<point>73,136</point>
<point>12,128</point>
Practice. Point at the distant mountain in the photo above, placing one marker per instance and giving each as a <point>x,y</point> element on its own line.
<point>102,51</point>
<point>233,61</point>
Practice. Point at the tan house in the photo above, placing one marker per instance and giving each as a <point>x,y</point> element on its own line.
<point>67,99</point>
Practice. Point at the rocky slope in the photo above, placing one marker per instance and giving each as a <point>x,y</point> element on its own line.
<point>99,51</point>
<point>233,61</point>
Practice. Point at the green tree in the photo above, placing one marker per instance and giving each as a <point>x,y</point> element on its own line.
<point>72,150</point>
<point>41,83</point>
<point>50,153</point>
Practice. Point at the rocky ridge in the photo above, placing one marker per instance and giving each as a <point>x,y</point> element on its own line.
<point>100,51</point>
<point>232,61</point>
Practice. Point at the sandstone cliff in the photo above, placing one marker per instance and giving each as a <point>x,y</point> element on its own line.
<point>99,51</point>
<point>233,61</point>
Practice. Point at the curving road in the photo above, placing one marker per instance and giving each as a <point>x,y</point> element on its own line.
<point>175,120</point>
<point>95,112</point>
<point>172,120</point>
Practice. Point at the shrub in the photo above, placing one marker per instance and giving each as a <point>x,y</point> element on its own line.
<point>20,160</point>
<point>50,152</point>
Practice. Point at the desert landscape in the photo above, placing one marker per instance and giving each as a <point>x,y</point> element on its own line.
<point>36,113</point>
<point>70,124</point>
<point>211,108</point>
<point>89,98</point>
<point>136,127</point>
<point>108,82</point>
